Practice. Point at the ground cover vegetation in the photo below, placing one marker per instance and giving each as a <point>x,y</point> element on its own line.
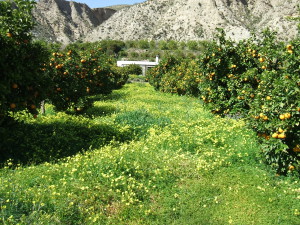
<point>179,164</point>
<point>103,152</point>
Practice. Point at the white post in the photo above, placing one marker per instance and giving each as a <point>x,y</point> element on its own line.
<point>156,59</point>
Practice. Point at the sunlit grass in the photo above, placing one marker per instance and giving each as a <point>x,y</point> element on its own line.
<point>194,169</point>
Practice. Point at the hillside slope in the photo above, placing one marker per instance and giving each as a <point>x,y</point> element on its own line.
<point>197,19</point>
<point>66,21</point>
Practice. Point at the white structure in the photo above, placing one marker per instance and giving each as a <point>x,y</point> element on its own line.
<point>144,64</point>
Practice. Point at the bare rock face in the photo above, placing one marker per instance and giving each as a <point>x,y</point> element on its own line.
<point>197,20</point>
<point>66,21</point>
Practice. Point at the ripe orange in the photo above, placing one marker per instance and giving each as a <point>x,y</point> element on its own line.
<point>296,149</point>
<point>282,136</point>
<point>275,135</point>
<point>289,47</point>
<point>264,67</point>
<point>291,167</point>
<point>282,117</point>
<point>280,130</point>
<point>261,59</point>
<point>12,105</point>
<point>14,86</point>
<point>287,115</point>
<point>83,61</point>
<point>268,98</point>
<point>9,34</point>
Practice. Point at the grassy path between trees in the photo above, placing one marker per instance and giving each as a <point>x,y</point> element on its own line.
<point>171,162</point>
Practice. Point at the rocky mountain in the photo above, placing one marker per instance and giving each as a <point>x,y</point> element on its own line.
<point>66,21</point>
<point>197,19</point>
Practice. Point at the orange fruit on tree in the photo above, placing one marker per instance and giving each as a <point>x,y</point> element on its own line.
<point>12,105</point>
<point>280,130</point>
<point>287,115</point>
<point>291,167</point>
<point>14,86</point>
<point>296,149</point>
<point>289,47</point>
<point>32,106</point>
<point>282,136</point>
<point>282,117</point>
<point>275,135</point>
<point>9,34</point>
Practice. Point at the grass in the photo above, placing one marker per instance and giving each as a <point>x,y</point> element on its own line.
<point>165,160</point>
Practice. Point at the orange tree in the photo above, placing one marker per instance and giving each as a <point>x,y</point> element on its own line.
<point>23,84</point>
<point>257,79</point>
<point>156,74</point>
<point>77,74</point>
<point>275,111</point>
<point>182,78</point>
<point>229,75</point>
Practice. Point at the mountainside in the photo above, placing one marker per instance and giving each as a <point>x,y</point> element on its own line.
<point>197,19</point>
<point>66,21</point>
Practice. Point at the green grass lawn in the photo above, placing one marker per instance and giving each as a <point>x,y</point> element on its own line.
<point>141,157</point>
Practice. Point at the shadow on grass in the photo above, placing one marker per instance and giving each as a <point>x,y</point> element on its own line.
<point>37,143</point>
<point>95,111</point>
<point>100,111</point>
<point>112,96</point>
